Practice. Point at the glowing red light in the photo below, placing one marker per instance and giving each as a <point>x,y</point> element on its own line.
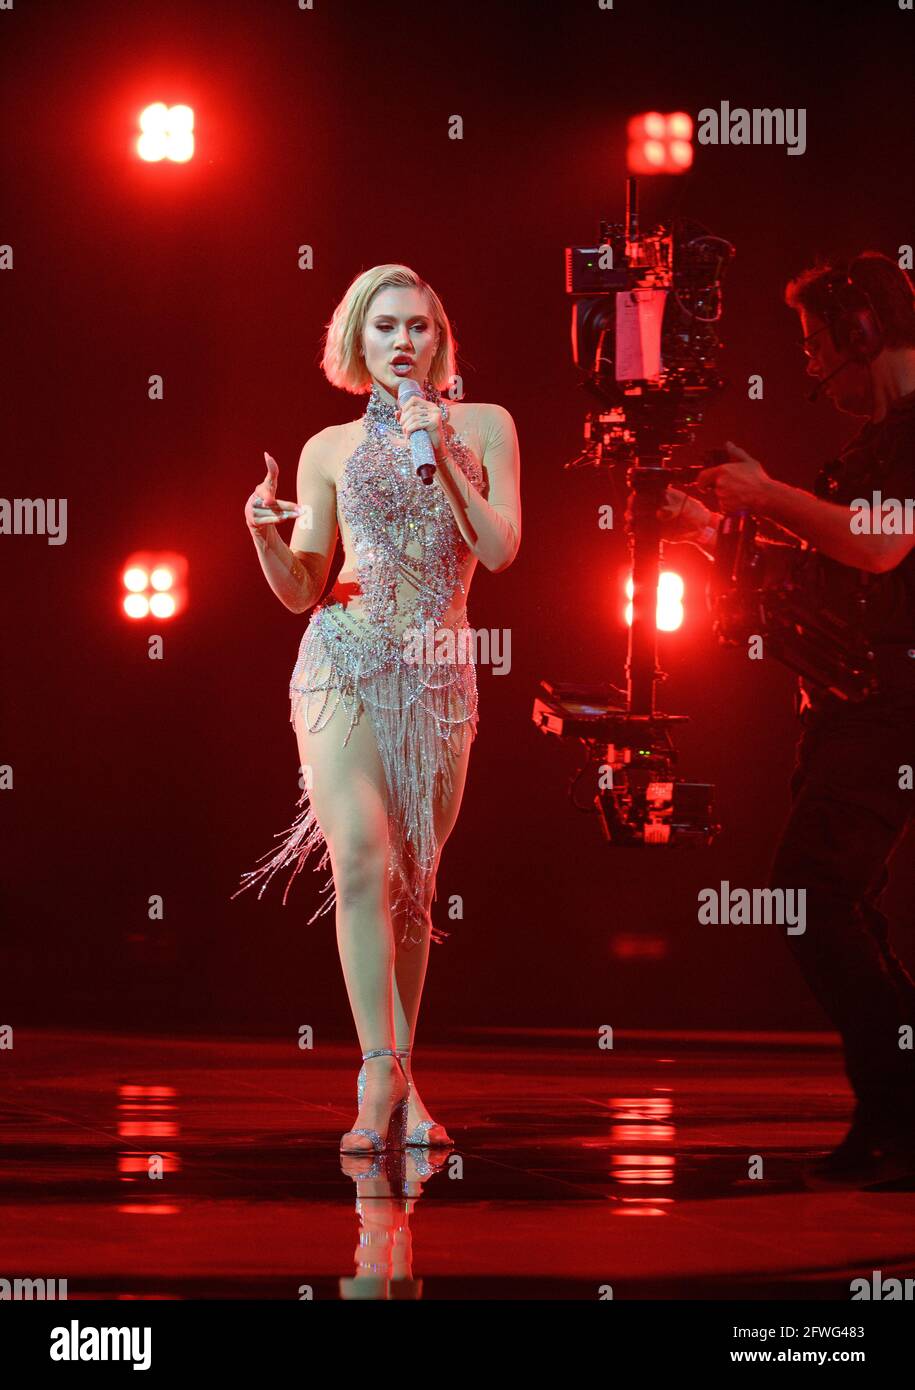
<point>155,584</point>
<point>680,126</point>
<point>660,144</point>
<point>669,611</point>
<point>167,132</point>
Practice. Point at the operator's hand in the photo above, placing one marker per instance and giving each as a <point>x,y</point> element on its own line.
<point>262,509</point>
<point>741,482</point>
<point>683,518</point>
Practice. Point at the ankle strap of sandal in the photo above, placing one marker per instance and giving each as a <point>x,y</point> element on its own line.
<point>380,1052</point>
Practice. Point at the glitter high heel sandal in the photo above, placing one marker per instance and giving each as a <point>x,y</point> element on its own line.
<point>397,1124</point>
<point>419,1138</point>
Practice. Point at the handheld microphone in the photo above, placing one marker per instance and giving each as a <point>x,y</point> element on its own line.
<point>421,449</point>
<point>814,395</point>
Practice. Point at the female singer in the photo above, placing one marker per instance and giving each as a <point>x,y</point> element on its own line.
<point>391,642</point>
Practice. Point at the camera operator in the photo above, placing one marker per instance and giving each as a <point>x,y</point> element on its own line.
<point>850,799</point>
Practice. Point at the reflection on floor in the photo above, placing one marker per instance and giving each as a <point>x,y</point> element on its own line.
<point>160,1168</point>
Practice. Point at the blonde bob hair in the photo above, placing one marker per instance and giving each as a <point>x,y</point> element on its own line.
<point>342,362</point>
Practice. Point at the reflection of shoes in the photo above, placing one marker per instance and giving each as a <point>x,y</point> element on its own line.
<point>395,1133</point>
<point>376,1288</point>
<point>353,1161</point>
<point>427,1134</point>
<point>425,1162</point>
<point>875,1150</point>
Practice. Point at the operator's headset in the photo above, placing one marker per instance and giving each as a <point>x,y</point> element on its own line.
<point>853,322</point>
<point>855,329</point>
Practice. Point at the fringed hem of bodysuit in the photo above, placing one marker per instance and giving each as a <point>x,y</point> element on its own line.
<point>415,710</point>
<point>300,841</point>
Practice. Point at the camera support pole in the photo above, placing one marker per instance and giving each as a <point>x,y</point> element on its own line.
<point>647,479</point>
<point>646,482</point>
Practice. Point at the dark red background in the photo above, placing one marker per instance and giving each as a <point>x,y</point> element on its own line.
<point>329,127</point>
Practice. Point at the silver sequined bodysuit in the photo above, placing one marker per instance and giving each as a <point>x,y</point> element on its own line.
<point>398,660</point>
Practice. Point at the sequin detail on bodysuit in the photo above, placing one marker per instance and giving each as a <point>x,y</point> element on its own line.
<point>398,662</point>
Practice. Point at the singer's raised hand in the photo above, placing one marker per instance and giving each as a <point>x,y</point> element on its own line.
<point>262,508</point>
<point>419,414</point>
<point>741,482</point>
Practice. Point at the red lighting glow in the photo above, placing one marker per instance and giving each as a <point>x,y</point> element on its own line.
<point>167,132</point>
<point>669,611</point>
<point>660,144</point>
<point>155,585</point>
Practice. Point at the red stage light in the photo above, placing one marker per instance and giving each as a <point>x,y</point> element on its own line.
<point>167,132</point>
<point>155,584</point>
<point>660,144</point>
<point>669,611</point>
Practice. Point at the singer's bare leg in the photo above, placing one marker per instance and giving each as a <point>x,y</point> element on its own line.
<point>410,962</point>
<point>348,796</point>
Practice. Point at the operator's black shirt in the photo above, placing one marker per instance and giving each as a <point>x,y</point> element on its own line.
<point>879,458</point>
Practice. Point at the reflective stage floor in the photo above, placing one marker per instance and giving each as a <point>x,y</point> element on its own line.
<point>209,1168</point>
